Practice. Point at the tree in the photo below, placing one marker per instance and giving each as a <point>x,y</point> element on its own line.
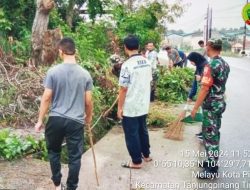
<point>39,35</point>
<point>147,21</point>
<point>71,10</point>
<point>20,13</point>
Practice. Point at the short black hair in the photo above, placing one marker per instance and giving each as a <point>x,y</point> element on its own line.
<point>67,45</point>
<point>168,48</point>
<point>201,42</point>
<point>150,42</point>
<point>131,42</point>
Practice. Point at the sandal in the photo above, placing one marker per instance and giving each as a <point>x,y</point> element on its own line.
<point>128,165</point>
<point>148,159</point>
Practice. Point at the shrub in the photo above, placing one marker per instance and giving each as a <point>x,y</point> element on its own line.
<point>13,146</point>
<point>173,86</point>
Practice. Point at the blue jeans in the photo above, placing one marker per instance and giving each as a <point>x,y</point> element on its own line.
<point>58,128</point>
<point>136,137</point>
<point>193,90</point>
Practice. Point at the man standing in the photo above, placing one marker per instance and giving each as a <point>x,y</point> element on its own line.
<point>211,97</point>
<point>68,89</point>
<point>151,55</point>
<point>133,103</point>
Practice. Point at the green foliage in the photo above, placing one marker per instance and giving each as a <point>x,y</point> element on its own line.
<point>147,22</point>
<point>20,14</point>
<point>91,41</point>
<point>13,146</point>
<point>143,23</point>
<point>96,7</point>
<point>56,21</point>
<point>5,24</point>
<point>20,49</point>
<point>226,46</point>
<point>173,86</point>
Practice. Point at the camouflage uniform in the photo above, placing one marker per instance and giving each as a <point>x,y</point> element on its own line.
<point>215,76</point>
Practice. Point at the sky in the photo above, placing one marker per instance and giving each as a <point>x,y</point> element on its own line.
<point>226,14</point>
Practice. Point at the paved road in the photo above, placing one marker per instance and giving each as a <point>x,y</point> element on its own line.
<point>235,149</point>
<point>235,132</point>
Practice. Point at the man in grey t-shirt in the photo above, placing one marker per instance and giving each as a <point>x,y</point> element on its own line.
<point>68,89</point>
<point>174,56</point>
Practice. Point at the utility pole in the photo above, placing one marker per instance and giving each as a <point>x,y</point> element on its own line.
<point>244,38</point>
<point>210,23</point>
<point>208,26</point>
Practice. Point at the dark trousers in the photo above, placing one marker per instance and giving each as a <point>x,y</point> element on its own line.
<point>193,90</point>
<point>136,137</point>
<point>58,128</point>
<point>180,64</point>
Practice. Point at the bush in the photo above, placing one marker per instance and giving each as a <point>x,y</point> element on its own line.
<point>173,86</point>
<point>13,146</point>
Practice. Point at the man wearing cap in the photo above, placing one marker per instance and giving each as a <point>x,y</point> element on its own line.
<point>211,97</point>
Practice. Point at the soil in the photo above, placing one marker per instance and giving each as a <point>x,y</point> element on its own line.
<point>25,174</point>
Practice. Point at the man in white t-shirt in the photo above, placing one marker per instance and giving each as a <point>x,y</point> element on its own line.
<point>151,55</point>
<point>133,103</point>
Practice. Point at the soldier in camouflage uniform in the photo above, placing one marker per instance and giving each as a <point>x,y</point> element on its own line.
<point>211,97</point>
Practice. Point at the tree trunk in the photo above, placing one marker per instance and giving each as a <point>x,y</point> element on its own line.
<point>40,25</point>
<point>70,13</point>
<point>49,46</point>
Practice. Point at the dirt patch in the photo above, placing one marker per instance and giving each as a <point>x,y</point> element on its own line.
<point>25,174</point>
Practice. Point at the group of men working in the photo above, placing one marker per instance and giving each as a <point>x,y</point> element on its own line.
<point>68,94</point>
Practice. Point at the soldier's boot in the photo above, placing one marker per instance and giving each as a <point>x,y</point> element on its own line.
<point>210,171</point>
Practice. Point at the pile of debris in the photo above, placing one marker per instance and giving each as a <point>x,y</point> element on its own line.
<point>20,92</point>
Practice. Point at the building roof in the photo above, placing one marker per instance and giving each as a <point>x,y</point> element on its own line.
<point>237,45</point>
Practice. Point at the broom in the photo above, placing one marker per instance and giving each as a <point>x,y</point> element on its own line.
<point>175,130</point>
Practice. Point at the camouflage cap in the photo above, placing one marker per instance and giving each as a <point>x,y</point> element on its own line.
<point>215,44</point>
<point>215,41</point>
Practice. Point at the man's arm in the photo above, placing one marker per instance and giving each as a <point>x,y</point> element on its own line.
<point>121,100</point>
<point>88,107</point>
<point>44,107</point>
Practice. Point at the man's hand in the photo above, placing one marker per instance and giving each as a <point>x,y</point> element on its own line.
<point>119,113</point>
<point>39,125</point>
<point>121,100</point>
<point>198,78</point>
<point>193,113</point>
